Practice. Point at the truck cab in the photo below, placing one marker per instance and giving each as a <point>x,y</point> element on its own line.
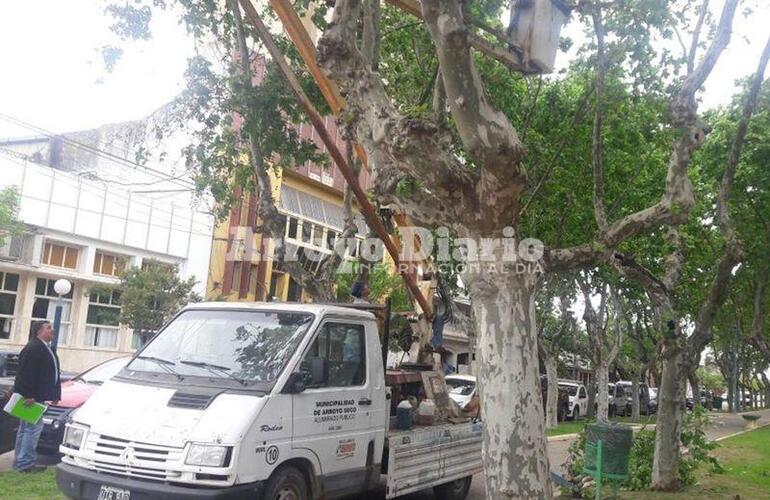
<point>240,401</point>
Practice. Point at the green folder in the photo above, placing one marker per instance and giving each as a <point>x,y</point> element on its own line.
<point>31,414</point>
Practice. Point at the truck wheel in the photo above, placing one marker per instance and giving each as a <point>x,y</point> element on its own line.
<point>576,412</point>
<point>456,490</point>
<point>287,483</point>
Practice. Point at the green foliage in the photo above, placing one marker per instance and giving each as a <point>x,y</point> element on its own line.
<point>149,297</point>
<point>640,461</point>
<point>711,380</point>
<point>643,450</point>
<point>383,284</point>
<point>10,225</point>
<point>131,21</point>
<point>220,108</point>
<point>698,446</point>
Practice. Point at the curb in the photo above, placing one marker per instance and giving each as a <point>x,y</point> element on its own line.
<point>744,431</point>
<point>567,437</point>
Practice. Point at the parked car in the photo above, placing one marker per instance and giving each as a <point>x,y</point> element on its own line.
<point>563,402</point>
<point>610,400</point>
<point>462,388</point>
<point>9,361</point>
<point>8,424</point>
<point>706,400</point>
<point>578,398</point>
<point>623,397</point>
<point>74,393</point>
<point>652,406</point>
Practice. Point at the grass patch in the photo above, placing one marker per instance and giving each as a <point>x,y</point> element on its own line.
<point>746,459</point>
<point>573,427</point>
<point>37,485</point>
<point>569,427</point>
<point>642,420</point>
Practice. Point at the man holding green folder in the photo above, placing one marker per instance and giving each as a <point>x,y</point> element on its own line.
<point>37,380</point>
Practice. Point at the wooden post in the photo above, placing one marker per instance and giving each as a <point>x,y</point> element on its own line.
<point>367,210</point>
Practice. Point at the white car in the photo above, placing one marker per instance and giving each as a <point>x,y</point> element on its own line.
<point>578,397</point>
<point>462,388</point>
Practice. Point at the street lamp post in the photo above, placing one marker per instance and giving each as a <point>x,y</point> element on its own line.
<point>62,287</point>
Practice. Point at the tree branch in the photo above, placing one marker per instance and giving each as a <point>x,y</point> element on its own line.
<point>486,133</point>
<point>579,110</point>
<point>271,220</point>
<point>597,148</point>
<point>704,8</point>
<point>732,252</point>
<point>399,148</point>
<point>371,33</point>
<point>723,212</point>
<point>678,197</point>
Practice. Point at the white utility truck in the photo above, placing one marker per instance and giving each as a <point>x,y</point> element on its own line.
<point>259,401</point>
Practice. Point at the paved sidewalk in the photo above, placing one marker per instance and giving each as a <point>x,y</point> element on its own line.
<point>723,425</point>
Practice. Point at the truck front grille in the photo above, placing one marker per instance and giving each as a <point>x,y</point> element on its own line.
<point>119,456</point>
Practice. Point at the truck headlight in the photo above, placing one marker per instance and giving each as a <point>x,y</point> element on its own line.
<point>207,455</point>
<point>74,435</point>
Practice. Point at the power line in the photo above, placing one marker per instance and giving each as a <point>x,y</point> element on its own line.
<point>99,152</point>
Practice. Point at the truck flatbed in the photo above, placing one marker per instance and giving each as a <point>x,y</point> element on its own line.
<point>426,456</point>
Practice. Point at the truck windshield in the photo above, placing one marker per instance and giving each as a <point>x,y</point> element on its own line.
<point>571,389</point>
<point>245,346</point>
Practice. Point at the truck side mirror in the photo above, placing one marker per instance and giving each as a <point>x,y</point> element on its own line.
<point>319,371</point>
<point>295,384</point>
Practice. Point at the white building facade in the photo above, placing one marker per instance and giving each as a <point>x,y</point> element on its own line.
<point>86,227</point>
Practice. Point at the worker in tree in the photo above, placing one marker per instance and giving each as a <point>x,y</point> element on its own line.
<point>360,292</point>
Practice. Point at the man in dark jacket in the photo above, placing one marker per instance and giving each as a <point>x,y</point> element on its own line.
<point>37,379</point>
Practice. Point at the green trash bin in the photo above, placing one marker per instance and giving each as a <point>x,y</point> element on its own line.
<point>606,454</point>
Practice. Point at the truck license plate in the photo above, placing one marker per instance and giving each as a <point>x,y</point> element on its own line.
<point>110,493</point>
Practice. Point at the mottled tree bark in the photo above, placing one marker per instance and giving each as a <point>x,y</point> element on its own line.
<point>671,407</point>
<point>602,395</point>
<point>515,459</point>
<point>592,388</point>
<point>552,398</point>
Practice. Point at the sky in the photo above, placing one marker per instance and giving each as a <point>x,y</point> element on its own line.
<point>51,74</point>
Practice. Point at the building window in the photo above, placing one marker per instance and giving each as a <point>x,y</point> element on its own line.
<point>9,285</point>
<point>156,265</point>
<point>44,307</point>
<point>13,247</point>
<point>103,319</point>
<point>292,228</point>
<point>273,292</point>
<point>108,265</point>
<point>59,255</point>
<point>295,291</point>
<point>235,283</point>
<point>331,239</point>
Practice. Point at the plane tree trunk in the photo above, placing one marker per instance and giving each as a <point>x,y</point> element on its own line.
<point>552,397</point>
<point>602,395</point>
<point>635,410</point>
<point>515,459</point>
